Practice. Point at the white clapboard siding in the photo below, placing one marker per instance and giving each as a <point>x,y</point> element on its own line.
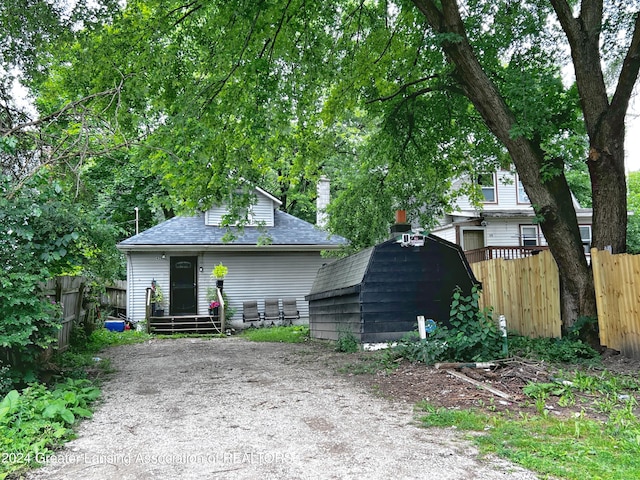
<point>142,269</point>
<point>260,275</point>
<point>252,275</point>
<point>261,212</point>
<point>506,195</point>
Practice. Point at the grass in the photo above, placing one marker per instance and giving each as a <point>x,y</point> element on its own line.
<point>570,448</point>
<point>294,334</point>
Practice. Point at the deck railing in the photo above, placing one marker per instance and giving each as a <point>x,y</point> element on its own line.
<point>489,253</point>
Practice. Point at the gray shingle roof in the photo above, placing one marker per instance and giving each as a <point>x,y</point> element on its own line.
<point>342,274</point>
<point>287,230</point>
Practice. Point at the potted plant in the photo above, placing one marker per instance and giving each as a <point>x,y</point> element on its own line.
<point>158,299</point>
<point>214,308</point>
<point>219,272</point>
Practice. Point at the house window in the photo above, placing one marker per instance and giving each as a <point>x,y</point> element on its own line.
<point>529,236</point>
<point>487,183</point>
<point>585,236</point>
<point>522,195</point>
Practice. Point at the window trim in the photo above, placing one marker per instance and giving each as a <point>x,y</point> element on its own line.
<point>587,246</point>
<point>537,238</point>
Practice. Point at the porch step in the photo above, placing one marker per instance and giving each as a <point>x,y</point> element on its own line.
<point>168,325</point>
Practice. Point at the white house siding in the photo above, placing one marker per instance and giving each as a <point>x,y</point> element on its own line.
<point>142,269</point>
<point>262,211</point>
<point>260,275</point>
<point>506,195</point>
<point>252,276</point>
<point>448,233</point>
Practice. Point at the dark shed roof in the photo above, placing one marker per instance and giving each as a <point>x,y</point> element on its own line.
<point>341,277</point>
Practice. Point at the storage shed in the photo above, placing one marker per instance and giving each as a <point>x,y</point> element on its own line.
<point>377,294</point>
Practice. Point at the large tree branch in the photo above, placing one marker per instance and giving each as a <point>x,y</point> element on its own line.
<point>627,79</point>
<point>583,35</point>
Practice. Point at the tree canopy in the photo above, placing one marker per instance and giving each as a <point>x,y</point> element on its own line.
<point>390,99</point>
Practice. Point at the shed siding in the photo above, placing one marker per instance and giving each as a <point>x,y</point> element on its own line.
<point>399,284</point>
<point>331,317</point>
<point>252,276</point>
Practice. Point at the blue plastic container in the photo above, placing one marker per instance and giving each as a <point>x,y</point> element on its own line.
<point>114,325</point>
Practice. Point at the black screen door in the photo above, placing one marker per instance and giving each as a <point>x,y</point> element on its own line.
<point>183,286</point>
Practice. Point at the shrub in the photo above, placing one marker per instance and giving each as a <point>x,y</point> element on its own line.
<point>473,335</point>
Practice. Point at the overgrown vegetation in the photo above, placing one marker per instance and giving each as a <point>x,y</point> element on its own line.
<point>37,420</point>
<point>40,418</point>
<point>472,336</point>
<point>574,447</point>
<point>554,350</point>
<point>290,334</point>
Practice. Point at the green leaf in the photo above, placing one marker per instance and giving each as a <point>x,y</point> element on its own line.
<point>67,416</point>
<point>9,403</point>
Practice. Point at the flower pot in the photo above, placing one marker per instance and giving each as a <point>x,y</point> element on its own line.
<point>219,284</point>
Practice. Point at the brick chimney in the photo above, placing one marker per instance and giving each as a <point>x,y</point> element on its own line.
<point>322,201</point>
<point>401,226</point>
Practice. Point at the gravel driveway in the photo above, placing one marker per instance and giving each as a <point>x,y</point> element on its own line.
<point>232,409</point>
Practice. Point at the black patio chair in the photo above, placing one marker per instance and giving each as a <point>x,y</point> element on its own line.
<point>272,310</point>
<point>250,311</point>
<point>289,310</point>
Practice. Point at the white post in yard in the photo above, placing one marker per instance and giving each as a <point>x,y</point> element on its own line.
<point>421,327</point>
<point>503,328</point>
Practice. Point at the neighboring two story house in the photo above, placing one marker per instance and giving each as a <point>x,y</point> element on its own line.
<point>504,225</point>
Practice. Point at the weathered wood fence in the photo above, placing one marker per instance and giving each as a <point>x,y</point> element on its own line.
<point>527,292</point>
<point>77,306</point>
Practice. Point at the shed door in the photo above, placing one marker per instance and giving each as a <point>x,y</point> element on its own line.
<point>183,286</point>
<point>472,239</point>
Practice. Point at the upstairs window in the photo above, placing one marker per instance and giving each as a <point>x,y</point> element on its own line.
<point>529,236</point>
<point>487,183</point>
<point>522,195</point>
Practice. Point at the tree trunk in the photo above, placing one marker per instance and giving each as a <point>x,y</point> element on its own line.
<point>551,197</point>
<point>604,118</point>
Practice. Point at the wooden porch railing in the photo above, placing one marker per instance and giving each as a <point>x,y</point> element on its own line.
<point>489,253</point>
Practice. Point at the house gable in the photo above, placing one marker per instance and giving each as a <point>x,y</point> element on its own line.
<point>259,213</point>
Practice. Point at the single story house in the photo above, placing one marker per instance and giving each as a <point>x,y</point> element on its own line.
<point>276,256</point>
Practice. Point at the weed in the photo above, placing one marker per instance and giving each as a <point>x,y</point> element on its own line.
<point>347,342</point>
<point>473,336</point>
<point>573,448</point>
<point>555,350</point>
<point>37,420</point>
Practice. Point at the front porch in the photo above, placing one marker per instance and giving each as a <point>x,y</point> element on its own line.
<point>171,324</point>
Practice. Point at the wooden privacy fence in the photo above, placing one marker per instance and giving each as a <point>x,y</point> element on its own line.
<point>526,291</point>
<point>617,282</point>
<point>71,293</point>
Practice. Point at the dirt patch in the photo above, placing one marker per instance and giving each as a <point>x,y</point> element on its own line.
<point>228,408</point>
<point>414,383</point>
